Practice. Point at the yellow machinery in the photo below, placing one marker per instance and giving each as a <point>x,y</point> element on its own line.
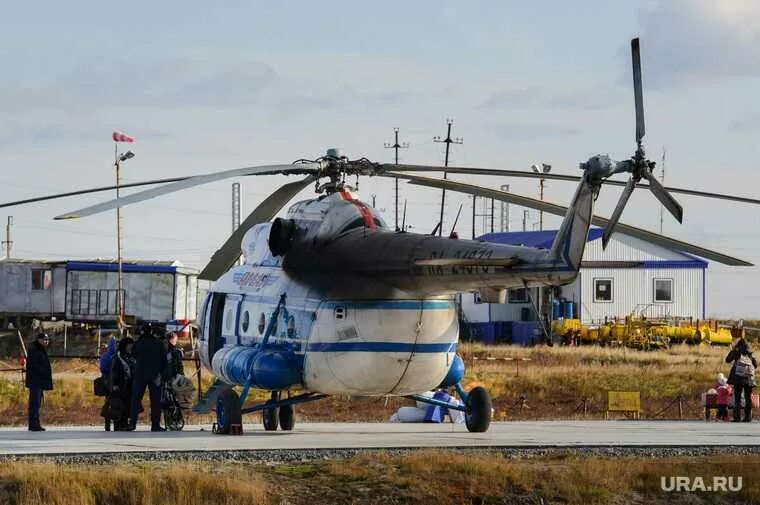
<point>640,333</point>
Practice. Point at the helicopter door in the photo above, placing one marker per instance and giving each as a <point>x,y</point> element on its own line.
<point>215,318</point>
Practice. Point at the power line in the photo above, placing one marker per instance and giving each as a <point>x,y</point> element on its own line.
<point>448,141</point>
<point>396,146</point>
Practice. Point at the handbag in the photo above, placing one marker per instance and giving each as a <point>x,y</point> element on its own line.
<point>100,386</point>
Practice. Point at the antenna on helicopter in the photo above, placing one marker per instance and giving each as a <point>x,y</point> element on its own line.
<point>453,233</point>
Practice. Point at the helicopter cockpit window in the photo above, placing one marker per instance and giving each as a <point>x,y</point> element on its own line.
<point>359,222</point>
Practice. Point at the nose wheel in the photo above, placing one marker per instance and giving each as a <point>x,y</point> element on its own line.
<point>479,411</point>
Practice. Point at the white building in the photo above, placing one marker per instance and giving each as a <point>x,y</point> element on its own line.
<point>631,275</point>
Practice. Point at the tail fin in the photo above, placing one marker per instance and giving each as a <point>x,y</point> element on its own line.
<point>571,238</point>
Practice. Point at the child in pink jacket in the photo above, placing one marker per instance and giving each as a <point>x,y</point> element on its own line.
<point>724,391</point>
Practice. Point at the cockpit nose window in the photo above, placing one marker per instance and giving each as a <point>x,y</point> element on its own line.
<point>359,222</point>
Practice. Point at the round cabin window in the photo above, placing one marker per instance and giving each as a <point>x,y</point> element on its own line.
<point>245,322</point>
<point>228,324</point>
<point>262,323</point>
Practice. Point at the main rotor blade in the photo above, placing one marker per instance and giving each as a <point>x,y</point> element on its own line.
<point>610,228</point>
<point>557,177</point>
<point>304,168</point>
<point>559,210</point>
<point>637,89</point>
<point>226,256</point>
<point>664,197</point>
<point>91,190</point>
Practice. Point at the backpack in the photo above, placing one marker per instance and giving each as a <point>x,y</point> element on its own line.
<point>744,369</point>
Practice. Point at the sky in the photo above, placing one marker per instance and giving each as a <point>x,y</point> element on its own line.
<point>208,87</point>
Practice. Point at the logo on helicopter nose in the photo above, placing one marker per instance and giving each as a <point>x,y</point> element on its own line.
<point>252,281</point>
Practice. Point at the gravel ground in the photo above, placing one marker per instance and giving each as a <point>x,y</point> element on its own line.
<point>286,456</point>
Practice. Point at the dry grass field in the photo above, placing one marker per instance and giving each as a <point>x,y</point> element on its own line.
<point>554,381</point>
<point>439,477</point>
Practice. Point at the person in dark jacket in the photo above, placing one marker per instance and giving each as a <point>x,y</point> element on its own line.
<point>121,380</point>
<point>105,363</point>
<point>150,363</point>
<point>743,383</point>
<point>174,355</point>
<point>39,378</point>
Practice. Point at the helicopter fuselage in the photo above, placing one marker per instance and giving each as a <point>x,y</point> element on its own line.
<point>363,310</point>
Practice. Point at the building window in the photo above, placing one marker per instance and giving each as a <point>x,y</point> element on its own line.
<point>663,290</point>
<point>40,279</point>
<point>519,295</point>
<point>603,290</point>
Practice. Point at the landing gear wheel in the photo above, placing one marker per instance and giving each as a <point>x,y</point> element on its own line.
<point>269,417</point>
<point>287,417</point>
<point>478,414</point>
<point>228,411</point>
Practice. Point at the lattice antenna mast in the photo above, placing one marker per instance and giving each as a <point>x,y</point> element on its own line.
<point>396,146</point>
<point>448,141</point>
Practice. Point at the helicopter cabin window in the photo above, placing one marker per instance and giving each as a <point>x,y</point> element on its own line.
<point>262,323</point>
<point>245,322</point>
<point>518,295</point>
<point>603,290</point>
<point>663,290</point>
<point>228,320</point>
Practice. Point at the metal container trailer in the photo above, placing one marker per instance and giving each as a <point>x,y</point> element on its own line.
<point>86,291</point>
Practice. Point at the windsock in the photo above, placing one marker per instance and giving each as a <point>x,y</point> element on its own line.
<point>121,137</point>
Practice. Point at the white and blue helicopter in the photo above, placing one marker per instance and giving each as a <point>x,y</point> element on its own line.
<point>331,301</point>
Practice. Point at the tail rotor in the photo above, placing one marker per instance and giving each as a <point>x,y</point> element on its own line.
<point>638,165</point>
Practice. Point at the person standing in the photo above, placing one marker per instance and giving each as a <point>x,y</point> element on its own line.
<point>150,363</point>
<point>742,377</point>
<point>39,378</point>
<point>174,356</point>
<point>121,376</point>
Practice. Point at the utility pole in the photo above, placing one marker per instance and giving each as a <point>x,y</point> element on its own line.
<point>396,146</point>
<point>543,169</point>
<point>8,242</point>
<point>504,210</point>
<point>662,180</point>
<point>235,206</point>
<point>474,203</point>
<point>236,212</point>
<point>448,141</point>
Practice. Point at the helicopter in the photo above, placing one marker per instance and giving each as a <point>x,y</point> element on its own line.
<point>332,301</point>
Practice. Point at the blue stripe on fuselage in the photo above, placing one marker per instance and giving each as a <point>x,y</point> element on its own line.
<point>392,304</point>
<point>380,347</point>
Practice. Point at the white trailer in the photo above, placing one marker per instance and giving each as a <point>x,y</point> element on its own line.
<point>86,291</point>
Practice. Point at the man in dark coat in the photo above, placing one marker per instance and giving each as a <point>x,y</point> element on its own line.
<point>39,378</point>
<point>150,363</point>
<point>742,381</point>
<point>174,356</point>
<point>121,377</point>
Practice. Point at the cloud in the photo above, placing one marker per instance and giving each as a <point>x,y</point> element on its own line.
<point>533,131</point>
<point>698,39</point>
<point>537,97</point>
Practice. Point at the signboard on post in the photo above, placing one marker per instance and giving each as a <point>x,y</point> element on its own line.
<point>627,402</point>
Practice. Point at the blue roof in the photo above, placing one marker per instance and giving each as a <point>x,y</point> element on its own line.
<point>541,239</point>
<point>114,267</point>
